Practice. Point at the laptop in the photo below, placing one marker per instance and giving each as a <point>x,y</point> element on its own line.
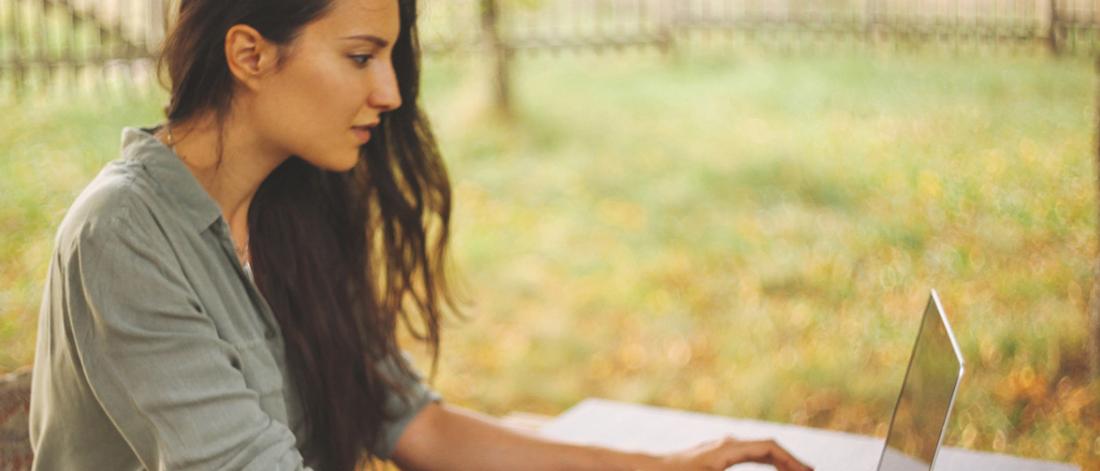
<point>913,442</point>
<point>927,395</point>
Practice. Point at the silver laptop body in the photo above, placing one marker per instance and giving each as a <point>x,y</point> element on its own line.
<point>927,395</point>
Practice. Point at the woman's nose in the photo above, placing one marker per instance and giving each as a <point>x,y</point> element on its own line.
<point>386,95</point>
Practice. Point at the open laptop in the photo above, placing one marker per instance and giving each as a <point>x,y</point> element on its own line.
<point>927,395</point>
<point>913,441</point>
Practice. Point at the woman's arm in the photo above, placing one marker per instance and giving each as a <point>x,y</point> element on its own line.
<point>443,437</point>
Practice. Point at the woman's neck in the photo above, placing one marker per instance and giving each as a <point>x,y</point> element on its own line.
<point>232,176</point>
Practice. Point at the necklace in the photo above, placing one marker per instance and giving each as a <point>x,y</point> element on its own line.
<point>171,141</point>
<point>242,252</point>
<point>242,249</point>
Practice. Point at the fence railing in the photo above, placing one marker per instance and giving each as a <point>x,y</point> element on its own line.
<point>76,42</point>
<point>1063,26</point>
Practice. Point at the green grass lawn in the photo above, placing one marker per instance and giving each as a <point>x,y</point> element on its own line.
<point>732,233</point>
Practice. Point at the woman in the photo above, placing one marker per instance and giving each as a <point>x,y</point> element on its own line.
<point>227,294</point>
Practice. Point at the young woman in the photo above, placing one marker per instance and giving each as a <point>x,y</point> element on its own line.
<point>227,294</point>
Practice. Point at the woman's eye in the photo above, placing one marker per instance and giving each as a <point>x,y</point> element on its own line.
<point>361,59</point>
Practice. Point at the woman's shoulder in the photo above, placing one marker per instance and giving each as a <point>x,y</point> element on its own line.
<point>116,200</point>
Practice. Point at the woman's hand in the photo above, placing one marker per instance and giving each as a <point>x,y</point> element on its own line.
<point>720,454</point>
<point>444,436</point>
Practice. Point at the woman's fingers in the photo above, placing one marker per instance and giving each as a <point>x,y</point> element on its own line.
<point>762,451</point>
<point>717,455</point>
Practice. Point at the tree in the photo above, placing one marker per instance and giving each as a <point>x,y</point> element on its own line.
<point>1052,31</point>
<point>1094,309</point>
<point>499,54</point>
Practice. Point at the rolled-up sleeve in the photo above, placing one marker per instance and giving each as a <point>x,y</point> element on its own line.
<point>402,409</point>
<point>155,362</point>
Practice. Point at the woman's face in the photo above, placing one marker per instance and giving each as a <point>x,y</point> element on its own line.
<point>335,82</point>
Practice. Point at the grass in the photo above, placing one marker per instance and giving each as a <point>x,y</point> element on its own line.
<point>735,233</point>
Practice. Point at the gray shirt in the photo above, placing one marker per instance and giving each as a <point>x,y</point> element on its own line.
<point>155,349</point>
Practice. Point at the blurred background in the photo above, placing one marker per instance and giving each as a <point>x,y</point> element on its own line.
<point>736,207</point>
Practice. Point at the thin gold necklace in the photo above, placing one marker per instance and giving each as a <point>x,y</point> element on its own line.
<point>242,253</point>
<point>242,249</point>
<point>171,140</point>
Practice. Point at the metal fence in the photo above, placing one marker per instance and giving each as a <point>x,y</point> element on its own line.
<point>79,42</point>
<point>44,42</point>
<point>1063,26</point>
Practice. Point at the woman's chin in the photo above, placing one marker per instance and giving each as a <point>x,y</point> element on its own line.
<point>334,163</point>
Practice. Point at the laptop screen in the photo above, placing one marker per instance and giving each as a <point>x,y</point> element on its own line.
<point>927,395</point>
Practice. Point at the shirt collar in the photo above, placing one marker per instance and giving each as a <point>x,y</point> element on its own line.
<point>172,177</point>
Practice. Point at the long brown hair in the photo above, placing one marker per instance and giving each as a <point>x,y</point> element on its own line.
<point>341,257</point>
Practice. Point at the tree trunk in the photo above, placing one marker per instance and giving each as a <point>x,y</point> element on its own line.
<point>498,54</point>
<point>1094,306</point>
<point>1052,33</point>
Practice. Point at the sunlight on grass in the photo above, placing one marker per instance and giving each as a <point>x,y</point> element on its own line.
<point>740,234</point>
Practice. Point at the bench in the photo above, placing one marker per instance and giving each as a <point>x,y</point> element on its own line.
<point>15,401</point>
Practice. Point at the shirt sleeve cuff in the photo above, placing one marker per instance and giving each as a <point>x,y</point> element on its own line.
<point>403,409</point>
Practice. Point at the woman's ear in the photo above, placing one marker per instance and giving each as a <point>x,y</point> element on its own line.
<point>249,55</point>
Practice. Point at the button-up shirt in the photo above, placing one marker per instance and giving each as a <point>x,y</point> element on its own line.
<point>155,349</point>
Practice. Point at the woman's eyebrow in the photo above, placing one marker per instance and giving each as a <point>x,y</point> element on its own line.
<point>370,38</point>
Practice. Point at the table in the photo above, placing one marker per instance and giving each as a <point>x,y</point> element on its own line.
<point>636,427</point>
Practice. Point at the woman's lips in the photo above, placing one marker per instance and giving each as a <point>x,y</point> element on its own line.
<point>362,133</point>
